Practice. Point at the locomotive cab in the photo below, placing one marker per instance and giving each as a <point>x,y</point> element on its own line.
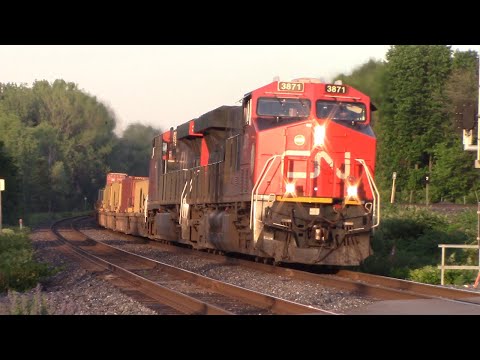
<point>314,199</point>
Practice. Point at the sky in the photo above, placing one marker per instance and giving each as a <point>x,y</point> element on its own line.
<point>167,85</point>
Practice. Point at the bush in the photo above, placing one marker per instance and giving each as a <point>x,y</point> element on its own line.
<point>427,274</point>
<point>406,244</point>
<point>18,270</point>
<point>432,275</point>
<point>460,277</point>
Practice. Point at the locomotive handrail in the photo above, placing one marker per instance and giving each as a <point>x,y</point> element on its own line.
<point>183,197</point>
<point>375,193</point>
<point>145,208</point>
<point>183,202</point>
<point>257,185</point>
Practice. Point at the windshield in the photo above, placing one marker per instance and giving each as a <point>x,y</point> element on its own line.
<point>283,107</point>
<point>341,111</point>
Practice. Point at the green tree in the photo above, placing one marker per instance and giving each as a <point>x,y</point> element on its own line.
<point>60,184</point>
<point>60,138</point>
<point>413,118</point>
<point>11,195</point>
<point>465,60</point>
<point>462,86</point>
<point>22,146</point>
<point>132,151</point>
<point>453,175</point>
<point>21,101</point>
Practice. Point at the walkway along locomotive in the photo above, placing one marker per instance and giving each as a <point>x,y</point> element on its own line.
<point>288,176</point>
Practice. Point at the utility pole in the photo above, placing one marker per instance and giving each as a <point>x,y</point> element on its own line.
<point>477,165</point>
<point>392,198</point>
<point>427,180</point>
<point>2,187</point>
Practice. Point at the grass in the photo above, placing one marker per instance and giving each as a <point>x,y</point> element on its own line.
<point>36,219</point>
<point>27,304</point>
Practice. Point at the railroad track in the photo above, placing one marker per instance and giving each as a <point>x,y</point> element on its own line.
<point>374,286</point>
<point>411,287</point>
<point>182,290</point>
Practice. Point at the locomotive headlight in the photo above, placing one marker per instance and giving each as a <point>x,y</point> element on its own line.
<point>290,188</point>
<point>352,190</point>
<point>318,135</point>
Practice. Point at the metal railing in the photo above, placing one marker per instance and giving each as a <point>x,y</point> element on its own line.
<point>444,267</point>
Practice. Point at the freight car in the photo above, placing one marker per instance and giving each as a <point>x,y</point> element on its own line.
<point>288,176</point>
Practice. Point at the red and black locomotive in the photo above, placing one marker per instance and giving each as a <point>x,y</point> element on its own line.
<point>288,176</point>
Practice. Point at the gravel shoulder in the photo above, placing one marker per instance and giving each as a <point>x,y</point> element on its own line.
<point>73,290</point>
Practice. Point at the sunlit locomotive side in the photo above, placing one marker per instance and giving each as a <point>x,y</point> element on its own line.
<point>288,176</point>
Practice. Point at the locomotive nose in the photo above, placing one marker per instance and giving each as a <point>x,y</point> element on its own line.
<point>296,158</point>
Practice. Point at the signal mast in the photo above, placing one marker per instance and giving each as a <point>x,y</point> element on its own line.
<point>469,119</point>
